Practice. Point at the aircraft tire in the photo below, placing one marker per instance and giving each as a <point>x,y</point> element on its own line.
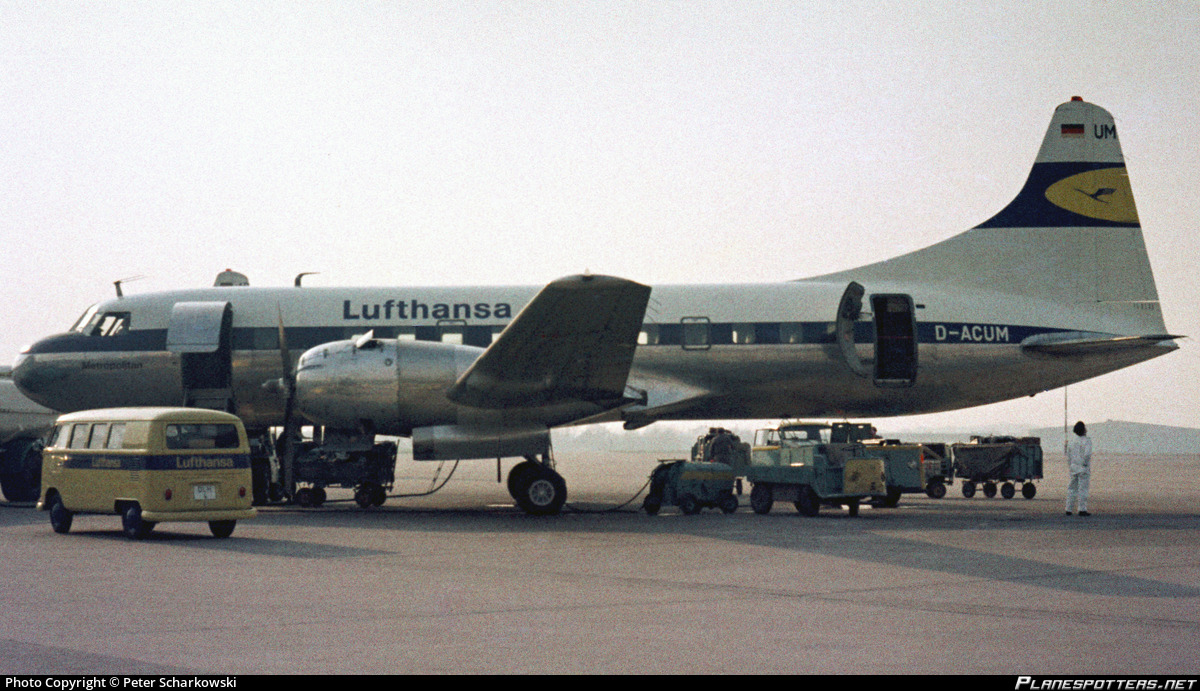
<point>541,493</point>
<point>516,475</point>
<point>60,516</point>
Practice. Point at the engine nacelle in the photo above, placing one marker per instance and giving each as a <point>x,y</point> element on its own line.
<point>451,442</point>
<point>389,385</point>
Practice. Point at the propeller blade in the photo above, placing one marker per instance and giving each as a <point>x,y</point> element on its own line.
<point>290,428</point>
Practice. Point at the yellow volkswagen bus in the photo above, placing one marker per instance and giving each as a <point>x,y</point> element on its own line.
<point>148,465</point>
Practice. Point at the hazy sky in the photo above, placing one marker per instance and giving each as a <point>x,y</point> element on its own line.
<point>411,143</point>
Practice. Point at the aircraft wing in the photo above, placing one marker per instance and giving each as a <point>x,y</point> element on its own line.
<point>573,342</point>
<point>1081,343</point>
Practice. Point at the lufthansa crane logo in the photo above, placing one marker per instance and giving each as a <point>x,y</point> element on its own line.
<point>1101,194</point>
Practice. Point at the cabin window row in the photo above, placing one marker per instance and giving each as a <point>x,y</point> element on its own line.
<point>691,332</point>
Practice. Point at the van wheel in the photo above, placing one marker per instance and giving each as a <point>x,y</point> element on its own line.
<point>60,516</point>
<point>133,525</point>
<point>222,528</point>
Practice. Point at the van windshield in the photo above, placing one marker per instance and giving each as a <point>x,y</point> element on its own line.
<point>202,436</point>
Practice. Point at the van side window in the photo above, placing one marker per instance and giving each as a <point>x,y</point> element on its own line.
<point>207,436</point>
<point>58,436</point>
<point>99,435</point>
<point>116,436</point>
<point>79,436</point>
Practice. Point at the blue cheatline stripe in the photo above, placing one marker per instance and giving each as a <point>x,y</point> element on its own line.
<point>100,460</point>
<point>668,334</point>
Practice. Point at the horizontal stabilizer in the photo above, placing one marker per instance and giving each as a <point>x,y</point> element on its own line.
<point>1083,343</point>
<point>574,342</point>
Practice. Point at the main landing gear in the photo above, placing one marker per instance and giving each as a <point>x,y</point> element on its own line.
<point>537,488</point>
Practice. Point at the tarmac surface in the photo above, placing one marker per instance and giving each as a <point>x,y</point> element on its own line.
<point>463,582</point>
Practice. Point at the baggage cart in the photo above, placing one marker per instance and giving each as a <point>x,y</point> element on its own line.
<point>998,464</point>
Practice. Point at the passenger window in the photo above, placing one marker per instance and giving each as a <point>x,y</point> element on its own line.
<point>452,330</point>
<point>79,436</point>
<point>479,336</point>
<point>116,436</point>
<point>743,334</point>
<point>648,335</point>
<point>695,333</point>
<point>264,339</point>
<point>99,436</point>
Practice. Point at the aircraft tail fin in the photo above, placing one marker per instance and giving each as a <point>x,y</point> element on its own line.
<point>1070,238</point>
<point>1078,179</point>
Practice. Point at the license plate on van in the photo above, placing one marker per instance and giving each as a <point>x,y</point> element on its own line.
<point>204,492</point>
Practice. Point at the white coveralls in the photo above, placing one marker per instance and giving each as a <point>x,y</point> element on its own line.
<point>1079,460</point>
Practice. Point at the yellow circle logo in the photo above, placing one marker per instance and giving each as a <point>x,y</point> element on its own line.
<point>1102,194</point>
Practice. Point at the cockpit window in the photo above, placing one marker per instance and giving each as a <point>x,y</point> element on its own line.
<point>112,323</point>
<point>106,324</point>
<point>84,320</point>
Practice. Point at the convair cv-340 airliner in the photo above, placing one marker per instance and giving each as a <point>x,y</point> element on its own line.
<point>1054,289</point>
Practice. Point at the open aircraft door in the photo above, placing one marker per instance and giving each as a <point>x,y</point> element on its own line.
<point>201,332</point>
<point>895,340</point>
<point>895,329</point>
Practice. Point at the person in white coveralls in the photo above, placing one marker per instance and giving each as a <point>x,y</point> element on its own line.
<point>1079,460</point>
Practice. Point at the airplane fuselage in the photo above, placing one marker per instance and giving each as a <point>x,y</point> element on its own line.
<point>705,352</point>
